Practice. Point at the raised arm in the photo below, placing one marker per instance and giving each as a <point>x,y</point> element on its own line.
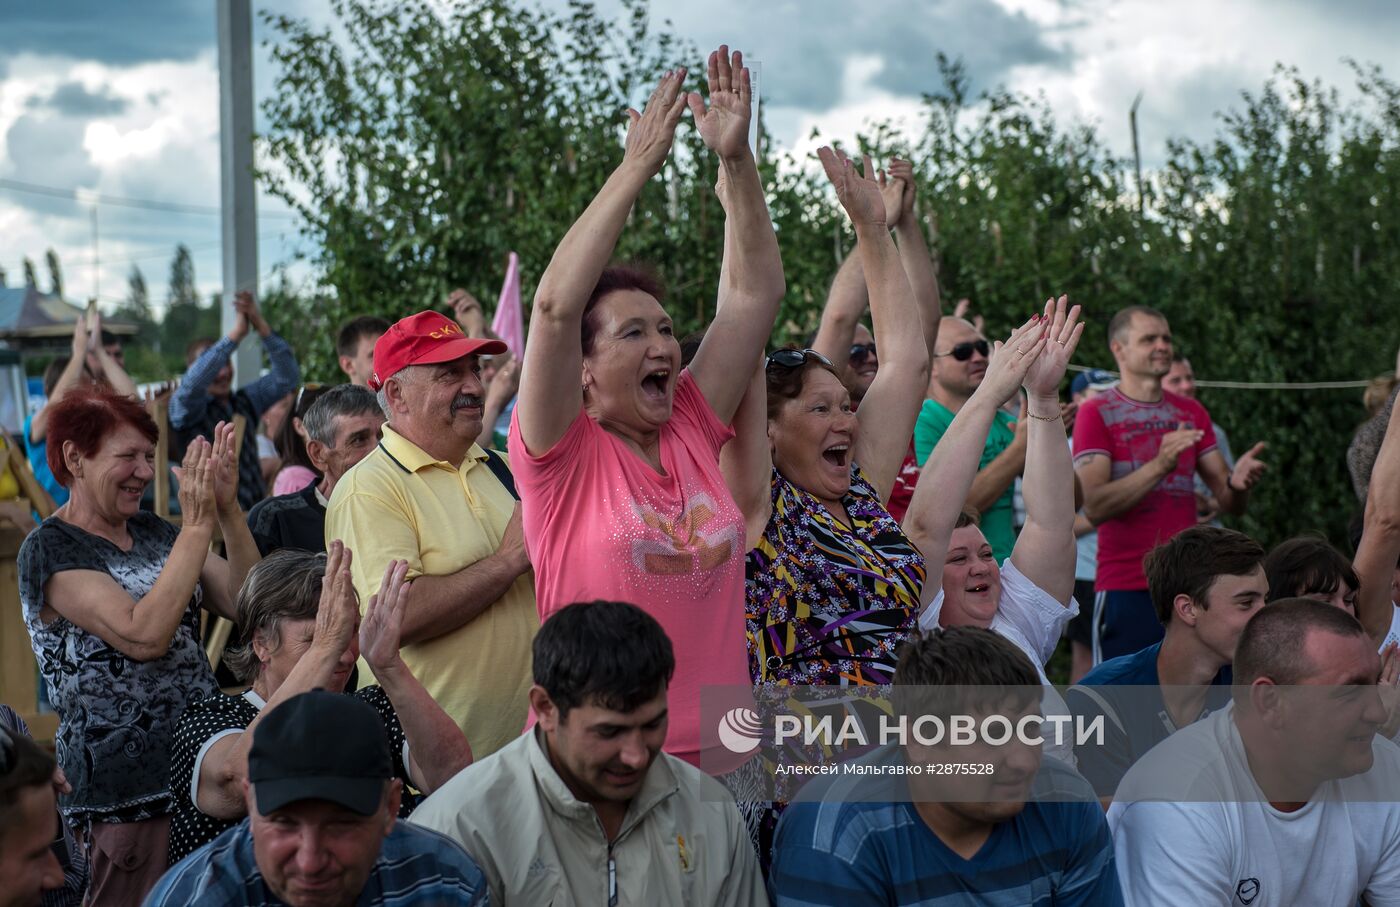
<point>846,302</point>
<point>219,789</point>
<point>746,462</point>
<point>948,472</point>
<point>1044,550</point>
<point>891,405</point>
<point>223,577</point>
<point>191,397</point>
<point>283,374</point>
<point>71,377</point>
<point>551,392</point>
<point>143,629</point>
<point>754,287</point>
<point>913,250</point>
<point>1379,548</point>
<point>111,370</point>
<point>437,747</point>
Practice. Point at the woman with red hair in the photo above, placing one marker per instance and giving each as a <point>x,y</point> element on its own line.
<point>110,595</point>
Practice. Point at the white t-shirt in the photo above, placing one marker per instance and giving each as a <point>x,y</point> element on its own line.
<point>1033,620</point>
<point>1393,636</point>
<point>1201,850</point>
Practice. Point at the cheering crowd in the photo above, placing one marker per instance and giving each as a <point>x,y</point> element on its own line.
<point>476,614</point>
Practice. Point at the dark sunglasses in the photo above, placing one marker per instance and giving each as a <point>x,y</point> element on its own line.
<point>963,351</point>
<point>860,351</point>
<point>789,358</point>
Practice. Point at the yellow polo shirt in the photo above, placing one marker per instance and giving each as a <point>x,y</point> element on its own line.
<point>399,502</point>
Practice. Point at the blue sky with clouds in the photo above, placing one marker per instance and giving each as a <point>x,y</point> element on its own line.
<point>122,98</point>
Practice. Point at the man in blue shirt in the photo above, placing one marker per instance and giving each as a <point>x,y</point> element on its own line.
<point>321,828</point>
<point>206,396</point>
<point>1206,583</point>
<point>1026,832</point>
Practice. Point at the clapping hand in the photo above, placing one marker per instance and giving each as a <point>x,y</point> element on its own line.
<point>380,631</point>
<point>466,310</point>
<point>1012,359</point>
<point>1248,469</point>
<point>225,468</point>
<point>897,189</point>
<point>1390,693</point>
<point>724,125</point>
<point>651,132</point>
<point>1045,374</point>
<point>80,337</point>
<point>1175,443</point>
<point>196,476</point>
<point>859,195</point>
<point>504,385</point>
<point>338,610</point>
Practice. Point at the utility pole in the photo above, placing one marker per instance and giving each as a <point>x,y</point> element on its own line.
<point>1137,155</point>
<point>237,194</point>
<point>96,270</point>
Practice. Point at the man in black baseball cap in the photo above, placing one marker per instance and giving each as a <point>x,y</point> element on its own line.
<point>322,828</point>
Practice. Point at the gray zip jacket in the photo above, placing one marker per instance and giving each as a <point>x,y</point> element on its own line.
<point>682,841</point>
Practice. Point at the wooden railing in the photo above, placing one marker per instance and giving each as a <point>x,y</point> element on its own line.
<point>19,676</point>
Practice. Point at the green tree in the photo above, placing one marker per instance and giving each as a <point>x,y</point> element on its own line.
<point>185,319</point>
<point>55,273</point>
<point>30,280</point>
<point>425,144</point>
<point>138,297</point>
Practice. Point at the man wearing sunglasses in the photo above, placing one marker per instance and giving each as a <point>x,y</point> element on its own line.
<point>959,364</point>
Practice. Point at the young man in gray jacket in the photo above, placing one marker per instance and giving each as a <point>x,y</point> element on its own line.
<point>586,808</point>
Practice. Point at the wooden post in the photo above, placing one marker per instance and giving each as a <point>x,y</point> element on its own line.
<point>160,412</point>
<point>39,499</point>
<point>19,680</point>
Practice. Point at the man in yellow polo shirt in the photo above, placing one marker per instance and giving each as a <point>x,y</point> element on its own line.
<point>431,495</point>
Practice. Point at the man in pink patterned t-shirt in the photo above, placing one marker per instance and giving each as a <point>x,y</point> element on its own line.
<point>1137,449</point>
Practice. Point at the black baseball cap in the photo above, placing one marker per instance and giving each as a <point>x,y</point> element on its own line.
<point>320,746</point>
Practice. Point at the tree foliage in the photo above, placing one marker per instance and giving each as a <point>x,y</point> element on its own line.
<point>423,144</point>
<point>55,273</point>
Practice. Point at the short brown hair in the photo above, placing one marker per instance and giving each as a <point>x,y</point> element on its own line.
<point>1307,565</point>
<point>86,416</point>
<point>1273,641</point>
<point>285,585</point>
<point>786,384</point>
<point>1190,561</point>
<point>23,765</point>
<point>347,339</point>
<point>1123,318</point>
<point>982,669</point>
<point>613,279</point>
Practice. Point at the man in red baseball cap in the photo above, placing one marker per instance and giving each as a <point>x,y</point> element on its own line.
<point>431,495</point>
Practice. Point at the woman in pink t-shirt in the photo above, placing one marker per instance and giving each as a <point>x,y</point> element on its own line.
<point>615,449</point>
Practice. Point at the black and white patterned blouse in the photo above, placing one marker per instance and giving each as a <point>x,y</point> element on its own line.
<point>116,715</point>
<point>209,721</point>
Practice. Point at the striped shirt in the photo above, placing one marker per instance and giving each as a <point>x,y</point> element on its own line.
<point>416,868</point>
<point>1056,851</point>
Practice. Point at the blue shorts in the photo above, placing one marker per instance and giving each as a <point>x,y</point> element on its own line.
<point>1124,622</point>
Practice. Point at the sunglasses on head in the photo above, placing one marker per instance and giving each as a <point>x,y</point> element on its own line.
<point>963,351</point>
<point>860,352</point>
<point>789,358</point>
<point>301,392</point>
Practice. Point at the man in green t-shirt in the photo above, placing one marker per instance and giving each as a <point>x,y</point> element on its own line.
<point>959,362</point>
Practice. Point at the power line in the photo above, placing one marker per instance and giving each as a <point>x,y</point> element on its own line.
<point>1259,385</point>
<point>122,202</point>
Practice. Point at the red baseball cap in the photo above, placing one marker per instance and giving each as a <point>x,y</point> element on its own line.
<point>424,339</point>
